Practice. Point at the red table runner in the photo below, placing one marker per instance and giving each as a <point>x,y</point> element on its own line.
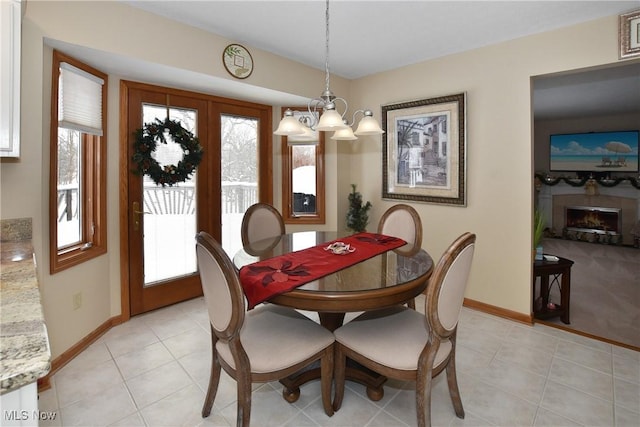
<point>265,279</point>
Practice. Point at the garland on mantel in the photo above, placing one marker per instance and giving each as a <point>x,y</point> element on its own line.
<point>580,182</point>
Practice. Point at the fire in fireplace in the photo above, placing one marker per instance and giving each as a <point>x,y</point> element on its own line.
<point>593,219</point>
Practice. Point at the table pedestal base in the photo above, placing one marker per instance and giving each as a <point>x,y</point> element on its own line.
<point>354,372</point>
<point>371,380</point>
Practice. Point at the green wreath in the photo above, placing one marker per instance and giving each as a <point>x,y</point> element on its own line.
<point>146,141</point>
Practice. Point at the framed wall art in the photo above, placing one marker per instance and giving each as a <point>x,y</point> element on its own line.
<point>629,34</point>
<point>424,150</point>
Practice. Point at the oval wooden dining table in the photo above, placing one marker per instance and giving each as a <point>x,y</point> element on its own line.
<point>391,278</point>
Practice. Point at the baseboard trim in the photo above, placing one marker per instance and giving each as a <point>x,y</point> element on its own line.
<point>498,311</point>
<point>44,383</point>
<point>588,335</point>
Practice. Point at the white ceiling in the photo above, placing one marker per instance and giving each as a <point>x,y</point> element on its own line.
<point>368,37</point>
<point>609,90</point>
<point>372,36</point>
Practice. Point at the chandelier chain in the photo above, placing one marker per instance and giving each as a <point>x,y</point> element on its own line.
<point>326,60</point>
<point>323,111</point>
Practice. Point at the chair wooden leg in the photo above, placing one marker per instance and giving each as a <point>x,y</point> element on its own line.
<point>423,399</point>
<point>243,382</point>
<point>340,364</point>
<point>411,304</point>
<point>326,377</point>
<point>214,380</point>
<point>454,392</point>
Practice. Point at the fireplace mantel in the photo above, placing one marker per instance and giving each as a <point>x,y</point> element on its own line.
<point>552,201</point>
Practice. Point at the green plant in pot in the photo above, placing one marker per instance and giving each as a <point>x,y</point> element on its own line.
<point>357,215</point>
<point>538,234</point>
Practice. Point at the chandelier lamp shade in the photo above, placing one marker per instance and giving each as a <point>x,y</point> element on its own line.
<point>345,134</point>
<point>323,112</point>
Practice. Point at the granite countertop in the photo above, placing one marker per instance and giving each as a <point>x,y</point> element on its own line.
<point>25,355</point>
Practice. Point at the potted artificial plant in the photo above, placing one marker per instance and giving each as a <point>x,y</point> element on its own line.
<point>357,216</point>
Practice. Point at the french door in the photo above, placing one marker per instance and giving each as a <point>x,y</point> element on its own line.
<point>239,138</point>
<point>162,220</point>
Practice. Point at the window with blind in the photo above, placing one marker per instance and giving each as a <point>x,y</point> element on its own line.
<point>77,187</point>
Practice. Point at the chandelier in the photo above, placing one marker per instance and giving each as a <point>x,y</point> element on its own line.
<point>323,113</point>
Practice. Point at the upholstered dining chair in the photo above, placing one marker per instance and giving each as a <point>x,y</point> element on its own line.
<point>428,347</point>
<point>261,221</point>
<point>264,344</point>
<point>404,222</point>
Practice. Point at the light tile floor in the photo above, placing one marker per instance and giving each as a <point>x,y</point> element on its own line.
<point>153,371</point>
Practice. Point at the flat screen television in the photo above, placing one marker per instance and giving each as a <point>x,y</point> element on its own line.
<point>594,152</point>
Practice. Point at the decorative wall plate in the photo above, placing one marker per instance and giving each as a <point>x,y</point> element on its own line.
<point>238,61</point>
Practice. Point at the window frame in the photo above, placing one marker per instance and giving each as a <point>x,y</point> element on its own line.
<point>288,215</point>
<point>93,180</point>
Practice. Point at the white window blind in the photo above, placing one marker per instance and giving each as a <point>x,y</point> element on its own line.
<point>79,100</point>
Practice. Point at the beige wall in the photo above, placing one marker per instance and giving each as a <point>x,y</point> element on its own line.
<point>496,80</point>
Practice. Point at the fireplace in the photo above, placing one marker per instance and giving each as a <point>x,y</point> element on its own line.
<point>627,209</point>
<point>593,219</point>
<point>593,224</point>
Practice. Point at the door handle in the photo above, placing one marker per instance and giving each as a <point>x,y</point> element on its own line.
<point>136,215</point>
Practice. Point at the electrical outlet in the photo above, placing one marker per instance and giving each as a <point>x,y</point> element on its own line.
<point>77,300</point>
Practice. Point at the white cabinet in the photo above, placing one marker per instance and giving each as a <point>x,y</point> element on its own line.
<point>20,406</point>
<point>10,22</point>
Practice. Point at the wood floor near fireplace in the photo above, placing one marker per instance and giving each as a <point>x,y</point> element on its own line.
<point>605,289</point>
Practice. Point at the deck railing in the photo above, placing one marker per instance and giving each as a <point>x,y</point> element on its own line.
<point>179,200</point>
<point>238,196</point>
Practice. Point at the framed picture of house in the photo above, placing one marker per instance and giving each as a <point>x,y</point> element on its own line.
<point>629,34</point>
<point>424,150</point>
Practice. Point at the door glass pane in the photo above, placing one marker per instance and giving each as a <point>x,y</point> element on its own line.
<point>239,176</point>
<point>169,212</point>
<point>303,179</point>
<point>69,203</point>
